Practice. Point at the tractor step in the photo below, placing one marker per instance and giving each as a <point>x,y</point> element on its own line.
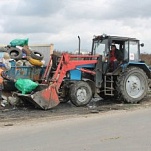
<point>108,85</point>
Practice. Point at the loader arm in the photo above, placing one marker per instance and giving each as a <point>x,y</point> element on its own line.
<point>48,98</point>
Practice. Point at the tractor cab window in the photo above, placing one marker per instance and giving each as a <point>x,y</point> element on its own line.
<point>133,51</point>
<point>126,50</point>
<point>100,48</point>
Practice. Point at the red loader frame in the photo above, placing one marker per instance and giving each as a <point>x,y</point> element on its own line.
<point>48,97</point>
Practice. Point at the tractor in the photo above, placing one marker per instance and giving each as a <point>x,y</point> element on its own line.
<point>79,78</point>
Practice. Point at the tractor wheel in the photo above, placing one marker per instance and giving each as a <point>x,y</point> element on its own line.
<point>132,85</point>
<point>65,93</point>
<point>80,93</point>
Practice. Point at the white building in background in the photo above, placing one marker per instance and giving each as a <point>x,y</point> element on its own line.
<point>83,52</point>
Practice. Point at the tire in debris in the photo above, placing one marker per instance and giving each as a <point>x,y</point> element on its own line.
<point>27,51</point>
<point>80,93</point>
<point>132,85</point>
<point>36,55</point>
<point>15,53</point>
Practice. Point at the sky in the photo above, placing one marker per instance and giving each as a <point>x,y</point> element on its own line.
<point>61,21</point>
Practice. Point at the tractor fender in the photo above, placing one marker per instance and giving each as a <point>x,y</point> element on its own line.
<point>141,65</point>
<point>91,83</point>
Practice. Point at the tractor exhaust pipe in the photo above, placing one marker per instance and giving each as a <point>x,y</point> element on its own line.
<point>79,44</point>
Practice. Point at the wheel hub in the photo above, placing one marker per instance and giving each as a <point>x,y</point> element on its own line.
<point>134,86</point>
<point>81,94</point>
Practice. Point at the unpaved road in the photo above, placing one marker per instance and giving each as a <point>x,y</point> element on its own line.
<point>65,110</point>
<point>111,131</point>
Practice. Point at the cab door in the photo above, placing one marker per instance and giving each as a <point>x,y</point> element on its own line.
<point>131,51</point>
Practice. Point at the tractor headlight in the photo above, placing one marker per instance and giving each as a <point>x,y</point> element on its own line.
<point>68,75</point>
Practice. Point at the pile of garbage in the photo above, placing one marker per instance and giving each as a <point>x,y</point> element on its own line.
<point>20,52</point>
<point>22,56</point>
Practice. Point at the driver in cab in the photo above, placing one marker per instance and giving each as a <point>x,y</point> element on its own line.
<point>115,57</point>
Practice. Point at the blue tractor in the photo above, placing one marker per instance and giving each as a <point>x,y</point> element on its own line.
<point>129,80</point>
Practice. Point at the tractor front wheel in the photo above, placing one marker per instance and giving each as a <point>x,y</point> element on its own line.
<point>80,93</point>
<point>132,85</point>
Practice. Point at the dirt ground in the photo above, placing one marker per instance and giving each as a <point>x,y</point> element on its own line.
<point>12,114</point>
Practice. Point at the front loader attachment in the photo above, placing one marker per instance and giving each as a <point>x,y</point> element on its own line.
<point>45,99</point>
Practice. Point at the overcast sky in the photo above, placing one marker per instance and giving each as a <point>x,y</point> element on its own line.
<point>61,21</point>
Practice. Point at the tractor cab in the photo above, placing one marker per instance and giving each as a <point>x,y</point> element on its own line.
<point>128,49</point>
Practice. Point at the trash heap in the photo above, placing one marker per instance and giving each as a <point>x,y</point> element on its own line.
<point>20,52</point>
<point>26,65</point>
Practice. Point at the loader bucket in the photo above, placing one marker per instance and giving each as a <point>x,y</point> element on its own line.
<point>45,99</point>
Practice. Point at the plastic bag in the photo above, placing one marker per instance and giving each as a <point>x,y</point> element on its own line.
<point>19,42</point>
<point>7,64</point>
<point>25,85</point>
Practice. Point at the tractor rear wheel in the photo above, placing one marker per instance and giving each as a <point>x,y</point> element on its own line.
<point>80,93</point>
<point>132,85</point>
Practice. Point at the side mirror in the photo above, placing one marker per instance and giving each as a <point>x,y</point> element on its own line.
<point>142,44</point>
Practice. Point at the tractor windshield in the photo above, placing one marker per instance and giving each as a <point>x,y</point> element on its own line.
<point>100,47</point>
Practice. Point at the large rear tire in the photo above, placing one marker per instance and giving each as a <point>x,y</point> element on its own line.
<point>80,93</point>
<point>132,85</point>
